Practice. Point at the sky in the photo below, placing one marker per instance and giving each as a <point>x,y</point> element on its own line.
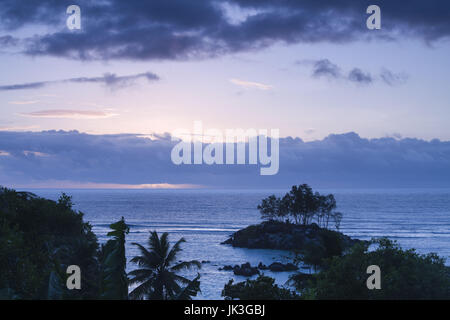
<point>143,70</point>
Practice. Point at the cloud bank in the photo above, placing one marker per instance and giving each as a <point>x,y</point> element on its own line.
<point>344,160</point>
<point>181,29</point>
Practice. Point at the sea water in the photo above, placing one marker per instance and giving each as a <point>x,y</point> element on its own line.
<point>415,218</point>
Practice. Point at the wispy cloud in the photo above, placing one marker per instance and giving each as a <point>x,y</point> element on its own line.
<point>250,84</point>
<point>393,79</point>
<point>69,114</point>
<point>18,128</point>
<point>359,76</point>
<point>24,102</point>
<point>22,86</point>
<point>324,68</point>
<point>111,80</point>
<point>35,153</point>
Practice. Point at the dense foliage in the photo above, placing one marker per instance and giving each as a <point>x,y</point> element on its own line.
<point>39,238</point>
<point>405,274</point>
<point>303,206</point>
<point>114,280</point>
<point>262,288</point>
<point>317,254</point>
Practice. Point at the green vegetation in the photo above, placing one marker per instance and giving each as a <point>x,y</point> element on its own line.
<point>298,222</point>
<point>317,254</point>
<point>39,238</point>
<point>303,206</point>
<point>114,280</point>
<point>262,288</point>
<point>405,274</point>
<point>158,277</point>
<point>302,217</point>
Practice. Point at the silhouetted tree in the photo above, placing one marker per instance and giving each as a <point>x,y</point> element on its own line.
<point>302,205</point>
<point>39,239</point>
<point>326,206</point>
<point>269,207</point>
<point>157,276</point>
<point>405,274</point>
<point>114,282</point>
<point>273,208</point>
<point>337,217</point>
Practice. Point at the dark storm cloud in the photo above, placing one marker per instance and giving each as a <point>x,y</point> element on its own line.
<point>181,29</point>
<point>426,19</point>
<point>343,160</point>
<point>109,79</point>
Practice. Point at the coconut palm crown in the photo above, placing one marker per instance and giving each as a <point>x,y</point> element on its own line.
<point>157,276</point>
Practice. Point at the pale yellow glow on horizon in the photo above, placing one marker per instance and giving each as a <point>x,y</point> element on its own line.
<point>95,185</point>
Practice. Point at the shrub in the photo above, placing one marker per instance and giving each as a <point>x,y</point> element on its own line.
<point>262,288</point>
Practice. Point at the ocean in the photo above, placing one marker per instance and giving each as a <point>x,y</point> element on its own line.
<point>416,218</point>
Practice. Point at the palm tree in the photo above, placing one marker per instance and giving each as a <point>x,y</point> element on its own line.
<point>157,276</point>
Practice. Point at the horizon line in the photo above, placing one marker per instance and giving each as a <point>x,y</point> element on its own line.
<point>157,136</point>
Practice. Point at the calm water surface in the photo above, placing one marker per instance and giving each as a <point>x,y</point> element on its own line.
<point>415,218</point>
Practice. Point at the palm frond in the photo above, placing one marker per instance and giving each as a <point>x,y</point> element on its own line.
<point>148,258</point>
<point>182,279</point>
<point>171,256</point>
<point>141,291</point>
<point>155,245</point>
<point>190,290</point>
<point>187,265</point>
<point>158,278</point>
<point>139,272</point>
<point>140,275</point>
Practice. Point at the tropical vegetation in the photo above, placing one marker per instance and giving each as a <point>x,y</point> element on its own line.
<point>301,206</point>
<point>404,274</point>
<point>158,277</point>
<point>113,262</point>
<point>262,288</point>
<point>40,238</point>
